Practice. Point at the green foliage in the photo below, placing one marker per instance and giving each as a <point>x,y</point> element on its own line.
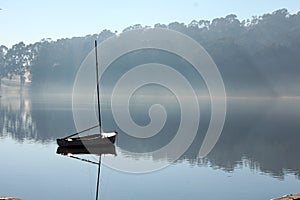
<point>3,71</point>
<point>57,62</point>
<point>246,52</point>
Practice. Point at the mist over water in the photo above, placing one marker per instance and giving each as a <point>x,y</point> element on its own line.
<point>263,131</point>
<point>258,143</point>
<point>255,157</point>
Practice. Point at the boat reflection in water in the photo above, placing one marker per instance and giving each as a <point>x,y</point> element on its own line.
<point>100,150</point>
<point>97,150</point>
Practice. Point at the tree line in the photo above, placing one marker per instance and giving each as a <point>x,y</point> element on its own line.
<point>261,52</point>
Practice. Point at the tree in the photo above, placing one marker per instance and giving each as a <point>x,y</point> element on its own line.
<point>3,71</point>
<point>134,27</point>
<point>18,60</point>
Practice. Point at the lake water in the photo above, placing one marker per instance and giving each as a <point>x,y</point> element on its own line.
<point>256,157</point>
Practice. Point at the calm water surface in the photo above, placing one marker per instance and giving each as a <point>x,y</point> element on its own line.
<point>257,156</point>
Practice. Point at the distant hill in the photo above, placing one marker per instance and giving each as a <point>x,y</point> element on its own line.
<point>257,57</point>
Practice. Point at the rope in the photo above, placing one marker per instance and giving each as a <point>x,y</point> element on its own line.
<point>81,132</point>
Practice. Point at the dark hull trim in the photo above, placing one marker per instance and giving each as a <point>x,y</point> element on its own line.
<point>91,140</point>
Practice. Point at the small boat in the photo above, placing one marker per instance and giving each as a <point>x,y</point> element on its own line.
<point>98,144</point>
<point>90,140</point>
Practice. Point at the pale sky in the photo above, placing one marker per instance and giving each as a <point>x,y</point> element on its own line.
<point>32,20</point>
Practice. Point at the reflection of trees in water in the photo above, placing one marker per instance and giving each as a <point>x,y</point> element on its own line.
<point>16,119</point>
<point>53,116</point>
<point>34,119</point>
<point>52,124</point>
<point>262,136</point>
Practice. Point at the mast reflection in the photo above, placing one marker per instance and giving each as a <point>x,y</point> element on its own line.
<point>101,150</point>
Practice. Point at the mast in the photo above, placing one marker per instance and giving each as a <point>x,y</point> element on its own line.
<point>98,92</point>
<point>98,178</point>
